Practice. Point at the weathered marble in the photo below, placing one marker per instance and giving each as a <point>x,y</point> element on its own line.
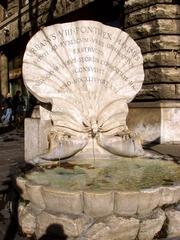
<point>128,216</point>
<point>162,74</point>
<point>34,194</point>
<point>113,228</point>
<point>177,194</point>
<point>63,201</point>
<point>148,201</point>
<point>93,203</point>
<point>173,216</point>
<point>27,219</point>
<point>88,85</point>
<point>152,225</point>
<point>155,11</point>
<point>156,121</point>
<point>126,203</point>
<point>159,42</point>
<point>89,88</point>
<point>171,125</point>
<point>21,187</point>
<point>167,195</point>
<point>36,141</point>
<point>71,225</point>
<point>154,27</point>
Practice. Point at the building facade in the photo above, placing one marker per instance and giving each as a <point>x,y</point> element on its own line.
<point>154,25</point>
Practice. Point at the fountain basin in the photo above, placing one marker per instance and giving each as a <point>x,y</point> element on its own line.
<point>126,187</point>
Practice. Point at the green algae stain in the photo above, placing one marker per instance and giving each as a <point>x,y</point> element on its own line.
<point>126,174</point>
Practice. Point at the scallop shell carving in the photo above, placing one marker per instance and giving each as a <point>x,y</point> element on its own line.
<point>88,71</point>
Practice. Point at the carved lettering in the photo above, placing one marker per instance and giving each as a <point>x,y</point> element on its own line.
<point>75,55</point>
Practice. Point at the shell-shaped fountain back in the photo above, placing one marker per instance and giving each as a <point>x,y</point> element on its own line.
<point>83,67</point>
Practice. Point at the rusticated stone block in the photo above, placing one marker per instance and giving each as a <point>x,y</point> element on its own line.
<point>152,12</point>
<point>162,74</point>
<point>64,7</point>
<point>168,91</point>
<point>42,11</point>
<point>114,228</point>
<point>37,143</point>
<point>98,204</point>
<point>72,226</point>
<point>177,89</point>
<point>123,229</point>
<point>63,202</point>
<point>148,200</point>
<point>167,195</point>
<point>134,5</point>
<point>34,194</point>
<point>177,194</point>
<point>150,226</point>
<point>170,127</point>
<point>155,27</point>
<point>98,231</point>
<point>21,187</point>
<point>27,219</point>
<point>161,91</point>
<point>161,42</point>
<point>173,222</point>
<point>161,58</point>
<point>126,203</point>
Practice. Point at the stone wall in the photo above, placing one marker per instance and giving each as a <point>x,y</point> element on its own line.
<point>155,25</point>
<point>13,7</point>
<point>29,17</point>
<point>1,13</point>
<point>156,121</point>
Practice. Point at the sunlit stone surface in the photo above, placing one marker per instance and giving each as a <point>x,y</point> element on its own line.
<point>88,72</point>
<point>99,185</point>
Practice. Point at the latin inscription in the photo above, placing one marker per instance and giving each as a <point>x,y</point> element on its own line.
<point>86,55</point>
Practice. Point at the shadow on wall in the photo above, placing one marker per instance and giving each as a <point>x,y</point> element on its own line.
<point>54,232</point>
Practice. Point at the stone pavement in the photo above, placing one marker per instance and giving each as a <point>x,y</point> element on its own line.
<point>172,150</point>
<point>12,157</point>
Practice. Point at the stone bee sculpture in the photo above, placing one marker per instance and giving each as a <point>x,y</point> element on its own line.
<point>89,72</point>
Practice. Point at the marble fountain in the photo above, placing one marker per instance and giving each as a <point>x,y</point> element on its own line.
<point>91,175</point>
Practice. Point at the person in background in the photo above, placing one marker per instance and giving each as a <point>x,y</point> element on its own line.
<point>6,114</point>
<point>9,99</point>
<point>31,103</point>
<point>19,108</point>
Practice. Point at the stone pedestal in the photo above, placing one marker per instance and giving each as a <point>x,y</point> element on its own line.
<point>92,214</point>
<point>36,130</point>
<point>155,121</point>
<point>4,74</point>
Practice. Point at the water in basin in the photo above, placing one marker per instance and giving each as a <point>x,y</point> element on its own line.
<point>124,174</point>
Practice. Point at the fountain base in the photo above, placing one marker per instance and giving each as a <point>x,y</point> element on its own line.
<point>99,200</point>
